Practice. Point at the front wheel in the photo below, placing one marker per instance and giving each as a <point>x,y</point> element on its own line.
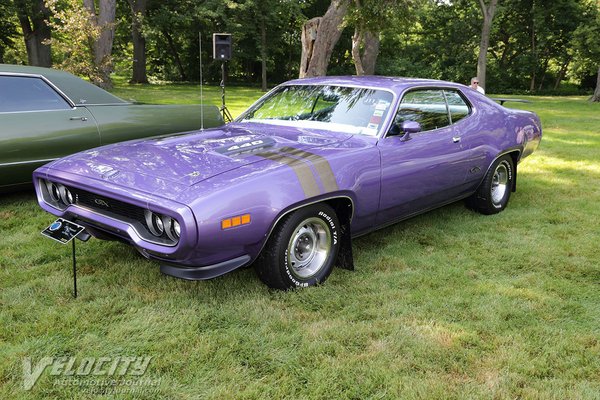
<point>494,192</point>
<point>302,249</point>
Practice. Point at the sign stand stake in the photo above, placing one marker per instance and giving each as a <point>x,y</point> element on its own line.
<point>74,271</point>
<point>65,231</point>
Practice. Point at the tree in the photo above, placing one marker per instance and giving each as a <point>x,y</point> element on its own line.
<point>33,15</point>
<point>83,40</point>
<point>365,41</point>
<point>487,10</point>
<point>102,18</point>
<point>586,47</point>
<point>319,37</point>
<point>138,13</point>
<point>369,18</point>
<point>8,31</point>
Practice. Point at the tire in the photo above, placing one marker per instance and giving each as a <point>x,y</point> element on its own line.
<point>302,249</point>
<point>493,193</point>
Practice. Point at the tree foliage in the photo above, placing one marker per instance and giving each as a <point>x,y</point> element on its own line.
<point>533,44</point>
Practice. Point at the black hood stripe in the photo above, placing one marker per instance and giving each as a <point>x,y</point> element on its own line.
<point>321,165</point>
<point>301,169</point>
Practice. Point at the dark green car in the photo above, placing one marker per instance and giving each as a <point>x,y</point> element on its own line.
<point>46,114</point>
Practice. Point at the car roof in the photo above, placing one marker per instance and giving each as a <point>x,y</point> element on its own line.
<point>76,89</point>
<point>396,84</point>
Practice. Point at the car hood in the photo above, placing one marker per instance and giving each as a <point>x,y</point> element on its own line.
<point>192,157</point>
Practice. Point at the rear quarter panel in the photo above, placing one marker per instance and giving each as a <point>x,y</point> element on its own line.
<point>491,131</point>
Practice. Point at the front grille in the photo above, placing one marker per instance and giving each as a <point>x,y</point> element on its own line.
<point>105,204</point>
<point>135,216</point>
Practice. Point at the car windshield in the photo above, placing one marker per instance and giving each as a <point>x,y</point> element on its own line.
<point>338,108</point>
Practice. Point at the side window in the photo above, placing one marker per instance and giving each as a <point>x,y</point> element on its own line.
<point>458,107</point>
<point>427,107</point>
<point>21,93</point>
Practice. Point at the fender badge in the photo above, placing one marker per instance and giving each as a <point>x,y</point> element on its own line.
<point>110,174</point>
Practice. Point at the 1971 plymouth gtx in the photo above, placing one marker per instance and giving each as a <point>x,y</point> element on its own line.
<point>46,114</point>
<point>312,164</point>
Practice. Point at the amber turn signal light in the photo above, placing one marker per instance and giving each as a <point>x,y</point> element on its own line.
<point>235,221</point>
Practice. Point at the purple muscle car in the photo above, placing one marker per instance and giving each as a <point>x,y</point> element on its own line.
<point>312,164</point>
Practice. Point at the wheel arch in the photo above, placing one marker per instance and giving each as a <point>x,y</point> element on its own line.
<point>515,154</point>
<point>344,205</point>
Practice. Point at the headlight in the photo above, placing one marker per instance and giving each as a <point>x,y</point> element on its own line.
<point>173,229</point>
<point>65,195</point>
<point>176,228</point>
<point>155,223</point>
<point>159,225</point>
<point>53,191</point>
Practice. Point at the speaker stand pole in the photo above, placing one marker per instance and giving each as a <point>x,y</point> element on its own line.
<point>226,114</point>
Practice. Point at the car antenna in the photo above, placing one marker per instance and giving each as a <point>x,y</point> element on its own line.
<point>201,94</point>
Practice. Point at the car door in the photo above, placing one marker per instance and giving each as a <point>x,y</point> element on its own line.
<point>38,125</point>
<point>424,169</point>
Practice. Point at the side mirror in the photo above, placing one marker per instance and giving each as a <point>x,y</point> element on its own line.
<point>409,127</point>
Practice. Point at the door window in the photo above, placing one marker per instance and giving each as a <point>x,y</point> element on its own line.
<point>21,93</point>
<point>427,107</point>
<point>458,107</point>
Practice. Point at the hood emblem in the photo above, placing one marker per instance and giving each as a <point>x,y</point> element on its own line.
<point>110,174</point>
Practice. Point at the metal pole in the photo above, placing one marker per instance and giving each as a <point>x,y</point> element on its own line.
<point>74,271</point>
<point>223,89</point>
<point>201,94</point>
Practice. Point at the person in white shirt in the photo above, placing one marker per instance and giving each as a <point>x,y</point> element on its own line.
<point>475,85</point>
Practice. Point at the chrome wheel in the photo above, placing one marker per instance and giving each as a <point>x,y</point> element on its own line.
<point>499,184</point>
<point>309,247</point>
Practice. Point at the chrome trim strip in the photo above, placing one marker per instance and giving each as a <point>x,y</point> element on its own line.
<point>27,162</point>
<point>66,210</point>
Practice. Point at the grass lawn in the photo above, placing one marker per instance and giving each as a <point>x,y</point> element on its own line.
<point>450,304</point>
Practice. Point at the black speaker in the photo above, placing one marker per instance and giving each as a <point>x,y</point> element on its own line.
<point>222,46</point>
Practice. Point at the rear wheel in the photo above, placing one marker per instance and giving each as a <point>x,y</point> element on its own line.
<point>301,250</point>
<point>494,192</point>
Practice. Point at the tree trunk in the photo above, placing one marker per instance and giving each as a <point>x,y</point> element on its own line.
<point>138,13</point>
<point>36,33</point>
<point>365,62</point>
<point>105,21</point>
<point>319,37</point>
<point>533,50</point>
<point>263,54</point>
<point>596,96</point>
<point>561,73</point>
<point>175,55</point>
<point>488,11</point>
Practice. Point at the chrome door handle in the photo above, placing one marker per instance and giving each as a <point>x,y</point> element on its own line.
<point>456,139</point>
<point>78,118</point>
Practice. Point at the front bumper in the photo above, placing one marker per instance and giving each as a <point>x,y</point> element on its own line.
<point>206,272</point>
<point>122,228</point>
